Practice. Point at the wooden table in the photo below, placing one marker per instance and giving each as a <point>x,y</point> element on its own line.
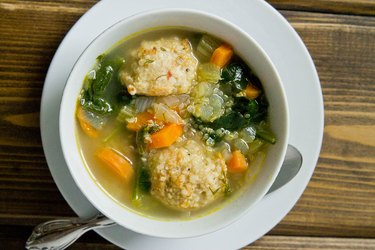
<point>337,210</point>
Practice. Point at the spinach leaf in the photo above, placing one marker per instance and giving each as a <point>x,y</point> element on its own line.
<point>95,104</point>
<point>245,106</point>
<point>102,78</point>
<point>255,81</point>
<point>144,182</point>
<point>262,109</point>
<point>232,122</point>
<point>140,141</point>
<point>93,97</point>
<point>266,135</point>
<point>263,131</point>
<point>124,98</point>
<point>254,110</point>
<point>235,75</point>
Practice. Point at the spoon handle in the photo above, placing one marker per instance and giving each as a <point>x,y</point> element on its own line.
<point>59,234</point>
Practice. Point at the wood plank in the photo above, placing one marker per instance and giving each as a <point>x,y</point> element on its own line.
<point>354,7</point>
<point>340,199</point>
<point>15,238</point>
<point>28,194</point>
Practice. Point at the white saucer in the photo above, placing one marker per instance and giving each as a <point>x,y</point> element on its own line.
<point>302,86</point>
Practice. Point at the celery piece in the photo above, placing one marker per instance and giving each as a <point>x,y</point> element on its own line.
<point>206,47</point>
<point>208,72</point>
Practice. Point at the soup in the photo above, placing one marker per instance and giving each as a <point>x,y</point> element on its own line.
<point>171,123</point>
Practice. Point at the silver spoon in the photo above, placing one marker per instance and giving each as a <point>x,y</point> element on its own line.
<point>59,234</point>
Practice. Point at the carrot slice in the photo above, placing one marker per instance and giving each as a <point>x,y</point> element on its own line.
<point>237,163</point>
<point>140,121</point>
<point>222,55</point>
<point>85,125</point>
<point>252,92</point>
<point>166,136</point>
<point>118,163</point>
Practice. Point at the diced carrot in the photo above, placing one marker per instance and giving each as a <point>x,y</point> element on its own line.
<point>252,92</point>
<point>237,163</point>
<point>166,136</point>
<point>222,55</point>
<point>85,125</point>
<point>140,121</point>
<point>117,162</point>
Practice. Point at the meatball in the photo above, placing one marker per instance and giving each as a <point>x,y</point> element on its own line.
<point>187,176</point>
<point>163,67</point>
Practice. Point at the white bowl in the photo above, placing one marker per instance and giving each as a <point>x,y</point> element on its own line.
<point>247,49</point>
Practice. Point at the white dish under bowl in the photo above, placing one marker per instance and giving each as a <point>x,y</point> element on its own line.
<point>295,66</point>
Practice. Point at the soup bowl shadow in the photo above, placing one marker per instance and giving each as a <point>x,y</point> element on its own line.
<point>249,50</point>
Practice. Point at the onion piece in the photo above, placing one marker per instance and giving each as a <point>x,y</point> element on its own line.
<point>142,103</point>
<point>206,47</point>
<point>241,145</point>
<point>225,150</point>
<point>93,119</point>
<point>248,134</point>
<point>126,112</point>
<point>164,113</point>
<point>173,100</point>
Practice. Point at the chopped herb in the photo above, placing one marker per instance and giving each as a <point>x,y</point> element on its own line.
<point>214,192</point>
<point>227,188</point>
<point>160,76</point>
<point>148,61</point>
<point>144,133</point>
<point>163,49</point>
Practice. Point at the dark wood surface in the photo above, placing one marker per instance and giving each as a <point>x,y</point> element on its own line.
<point>337,210</point>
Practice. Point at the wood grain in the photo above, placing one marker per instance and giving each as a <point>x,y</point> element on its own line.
<point>354,7</point>
<point>28,194</point>
<point>15,238</point>
<point>339,200</point>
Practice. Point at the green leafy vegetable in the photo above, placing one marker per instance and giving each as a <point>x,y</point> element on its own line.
<point>245,106</point>
<point>239,113</point>
<point>232,122</point>
<point>263,131</point>
<point>93,97</point>
<point>142,134</point>
<point>95,104</point>
<point>235,75</point>
<point>103,76</point>
<point>124,98</point>
<point>253,110</point>
<point>140,141</point>
<point>142,184</point>
<point>255,146</point>
<point>266,135</point>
